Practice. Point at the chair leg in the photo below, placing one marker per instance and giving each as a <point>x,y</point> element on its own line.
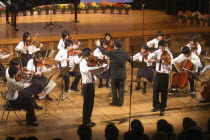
<point>7,118</point>
<point>19,121</point>
<point>2,117</point>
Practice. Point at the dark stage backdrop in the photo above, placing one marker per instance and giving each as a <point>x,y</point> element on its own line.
<point>172,6</point>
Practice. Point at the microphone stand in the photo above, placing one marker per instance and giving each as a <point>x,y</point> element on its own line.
<point>131,87</point>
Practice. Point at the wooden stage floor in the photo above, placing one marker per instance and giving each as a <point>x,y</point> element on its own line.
<point>99,23</point>
<point>70,114</point>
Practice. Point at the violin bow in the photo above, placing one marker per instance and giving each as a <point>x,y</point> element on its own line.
<point>73,34</point>
<point>2,44</point>
<point>34,38</point>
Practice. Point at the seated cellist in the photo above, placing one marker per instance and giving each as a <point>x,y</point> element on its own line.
<point>189,56</point>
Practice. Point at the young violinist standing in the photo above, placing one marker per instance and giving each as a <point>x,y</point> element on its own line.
<point>27,48</point>
<point>118,58</point>
<point>187,55</point>
<point>160,84</point>
<point>37,66</point>
<point>143,74</point>
<point>65,35</point>
<point>88,86</point>
<point>97,53</point>
<point>20,95</point>
<point>154,43</point>
<point>67,58</point>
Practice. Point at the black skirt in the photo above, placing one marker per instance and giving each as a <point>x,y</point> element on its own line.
<point>104,75</point>
<point>146,73</point>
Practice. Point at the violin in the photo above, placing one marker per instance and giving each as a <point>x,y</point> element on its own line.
<point>46,64</point>
<point>108,49</point>
<point>165,57</point>
<point>4,51</point>
<point>75,52</point>
<point>194,47</point>
<point>145,54</point>
<point>75,41</point>
<point>22,74</point>
<point>31,42</point>
<point>111,43</point>
<point>95,62</point>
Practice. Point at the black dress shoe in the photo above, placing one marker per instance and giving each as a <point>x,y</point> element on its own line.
<point>144,91</point>
<point>48,98</point>
<point>112,104</point>
<point>32,124</point>
<point>161,113</point>
<point>36,97</point>
<point>107,85</point>
<point>100,86</point>
<point>37,107</point>
<point>75,89</point>
<point>90,124</point>
<point>137,88</point>
<point>154,110</point>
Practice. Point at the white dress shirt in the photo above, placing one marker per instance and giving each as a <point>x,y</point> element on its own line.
<point>14,87</point>
<point>31,67</point>
<point>98,54</point>
<point>87,75</point>
<point>32,48</point>
<point>138,57</point>
<point>153,42</point>
<point>195,60</point>
<point>63,54</point>
<point>198,50</point>
<point>157,55</point>
<point>61,45</point>
<point>206,68</point>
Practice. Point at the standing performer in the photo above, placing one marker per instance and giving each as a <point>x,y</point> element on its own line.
<point>154,43</point>
<point>38,67</point>
<point>100,56</point>
<point>68,57</point>
<point>187,55</point>
<point>65,36</point>
<point>27,48</point>
<point>160,83</point>
<point>20,95</point>
<point>144,74</point>
<point>118,58</point>
<point>108,37</point>
<point>88,86</point>
<point>2,68</point>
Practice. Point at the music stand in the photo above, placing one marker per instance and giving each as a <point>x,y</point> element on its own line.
<point>51,23</point>
<point>62,94</point>
<point>137,64</point>
<point>194,76</point>
<point>46,102</point>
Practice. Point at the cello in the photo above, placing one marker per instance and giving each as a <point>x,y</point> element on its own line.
<point>180,79</point>
<point>205,90</point>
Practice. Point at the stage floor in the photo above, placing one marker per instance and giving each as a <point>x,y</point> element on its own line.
<point>70,114</point>
<point>97,23</point>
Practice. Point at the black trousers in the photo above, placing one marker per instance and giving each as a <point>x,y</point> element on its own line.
<point>75,83</point>
<point>118,89</point>
<point>25,58</point>
<point>160,86</point>
<point>88,91</point>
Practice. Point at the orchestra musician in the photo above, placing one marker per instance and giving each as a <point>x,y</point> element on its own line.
<point>37,66</point>
<point>154,43</point>
<point>194,46</point>
<point>88,86</point>
<point>144,74</point>
<point>118,58</point>
<point>19,95</point>
<point>2,68</point>
<point>162,56</point>
<point>27,48</point>
<point>65,35</point>
<point>97,53</point>
<point>67,60</point>
<point>190,56</point>
<point>108,37</point>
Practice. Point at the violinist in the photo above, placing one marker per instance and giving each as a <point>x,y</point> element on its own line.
<point>66,60</point>
<point>20,95</point>
<point>97,53</point>
<point>65,35</point>
<point>36,65</point>
<point>145,74</point>
<point>2,68</point>
<point>194,46</point>
<point>13,62</point>
<point>154,43</point>
<point>162,56</point>
<point>88,86</point>
<point>108,37</point>
<point>118,58</point>
<point>190,56</point>
<point>27,48</point>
